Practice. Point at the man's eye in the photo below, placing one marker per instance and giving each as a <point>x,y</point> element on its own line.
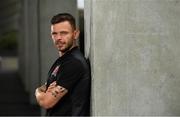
<point>63,33</point>
<point>54,34</point>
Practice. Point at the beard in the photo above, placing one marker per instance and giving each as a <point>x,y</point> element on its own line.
<point>64,46</point>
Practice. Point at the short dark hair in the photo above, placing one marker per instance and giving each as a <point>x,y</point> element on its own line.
<point>61,17</point>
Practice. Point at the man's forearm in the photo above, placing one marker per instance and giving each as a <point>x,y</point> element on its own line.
<point>49,97</point>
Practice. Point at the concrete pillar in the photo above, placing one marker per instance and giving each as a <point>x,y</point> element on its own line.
<point>135,56</point>
<point>29,48</point>
<point>34,49</point>
<point>23,45</point>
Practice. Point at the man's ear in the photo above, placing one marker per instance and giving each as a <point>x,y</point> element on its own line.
<point>76,33</point>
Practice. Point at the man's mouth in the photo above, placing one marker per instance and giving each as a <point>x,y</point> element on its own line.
<point>59,44</point>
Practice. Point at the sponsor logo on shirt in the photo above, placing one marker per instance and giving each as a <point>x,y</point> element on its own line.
<point>54,73</point>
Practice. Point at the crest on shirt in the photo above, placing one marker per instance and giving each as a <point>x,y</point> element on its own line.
<point>54,73</point>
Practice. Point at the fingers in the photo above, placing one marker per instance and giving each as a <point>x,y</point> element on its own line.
<point>51,86</point>
<point>60,89</point>
<point>57,89</point>
<point>53,83</point>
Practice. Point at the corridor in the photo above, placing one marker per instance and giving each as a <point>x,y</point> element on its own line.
<point>14,100</point>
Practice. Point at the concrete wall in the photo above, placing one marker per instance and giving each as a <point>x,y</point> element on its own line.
<point>134,50</point>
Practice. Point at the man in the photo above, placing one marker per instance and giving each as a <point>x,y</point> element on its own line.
<point>67,91</point>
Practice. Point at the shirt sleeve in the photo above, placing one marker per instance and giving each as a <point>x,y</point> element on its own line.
<point>69,74</point>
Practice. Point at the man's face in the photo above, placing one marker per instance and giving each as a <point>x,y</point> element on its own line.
<point>63,36</point>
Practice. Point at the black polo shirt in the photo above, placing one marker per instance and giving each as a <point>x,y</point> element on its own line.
<point>72,72</point>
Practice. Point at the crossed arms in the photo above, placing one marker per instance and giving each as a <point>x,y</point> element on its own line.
<point>48,98</point>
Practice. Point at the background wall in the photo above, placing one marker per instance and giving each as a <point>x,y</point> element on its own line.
<point>134,50</point>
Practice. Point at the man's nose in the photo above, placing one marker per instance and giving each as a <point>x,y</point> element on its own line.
<point>59,37</point>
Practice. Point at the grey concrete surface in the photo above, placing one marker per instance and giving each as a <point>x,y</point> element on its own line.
<point>29,63</point>
<point>135,56</point>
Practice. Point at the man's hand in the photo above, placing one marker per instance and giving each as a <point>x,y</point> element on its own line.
<point>42,88</point>
<point>55,89</point>
<point>39,92</point>
<point>51,96</point>
<point>51,86</point>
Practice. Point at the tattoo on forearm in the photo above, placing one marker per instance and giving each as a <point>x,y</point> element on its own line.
<point>58,90</point>
<point>54,94</point>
